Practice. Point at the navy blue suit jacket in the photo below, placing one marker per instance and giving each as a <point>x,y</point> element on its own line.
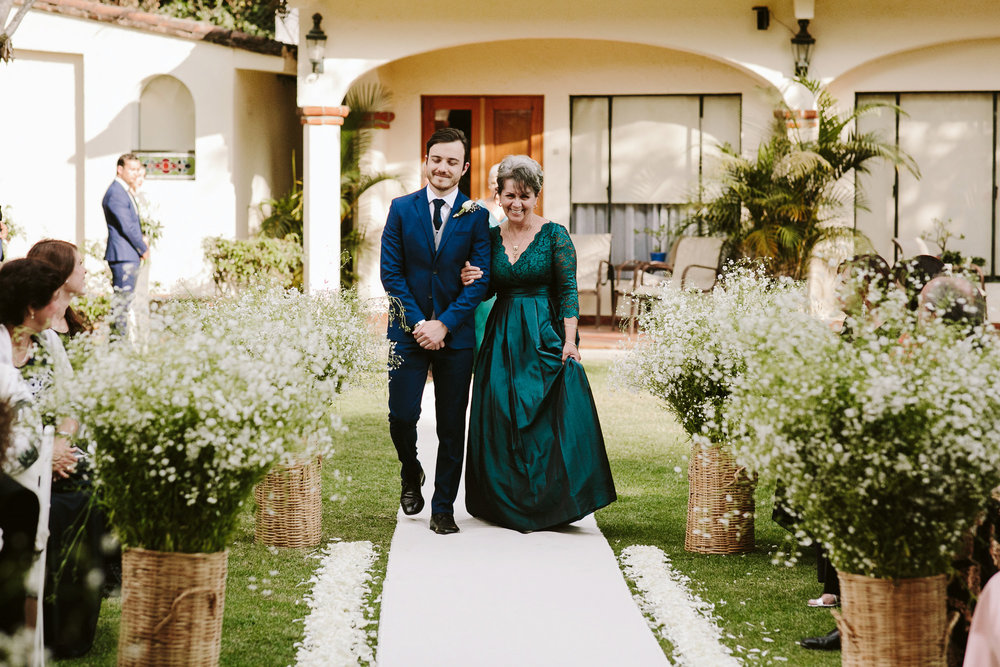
<point>125,242</point>
<point>422,282</point>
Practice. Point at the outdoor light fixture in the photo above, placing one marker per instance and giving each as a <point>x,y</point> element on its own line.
<point>316,44</point>
<point>763,15</point>
<point>802,45</point>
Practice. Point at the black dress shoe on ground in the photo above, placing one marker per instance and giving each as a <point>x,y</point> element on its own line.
<point>410,499</point>
<point>443,524</point>
<point>828,642</point>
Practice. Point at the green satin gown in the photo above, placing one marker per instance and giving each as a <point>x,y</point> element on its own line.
<point>483,309</point>
<point>536,456</point>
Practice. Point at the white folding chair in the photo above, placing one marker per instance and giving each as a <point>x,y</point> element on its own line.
<point>38,478</point>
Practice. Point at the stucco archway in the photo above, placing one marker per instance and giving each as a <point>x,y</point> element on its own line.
<point>557,69</point>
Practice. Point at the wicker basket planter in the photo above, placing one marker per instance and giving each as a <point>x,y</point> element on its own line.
<point>289,505</point>
<point>720,503</point>
<point>886,622</point>
<point>172,606</point>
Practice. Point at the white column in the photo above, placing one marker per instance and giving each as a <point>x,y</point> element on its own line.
<point>321,196</point>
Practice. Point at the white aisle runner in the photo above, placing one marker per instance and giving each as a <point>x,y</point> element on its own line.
<point>492,596</point>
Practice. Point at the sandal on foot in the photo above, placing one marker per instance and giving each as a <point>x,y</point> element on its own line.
<point>822,601</point>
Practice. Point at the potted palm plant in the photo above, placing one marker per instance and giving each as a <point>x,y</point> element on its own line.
<point>780,203</point>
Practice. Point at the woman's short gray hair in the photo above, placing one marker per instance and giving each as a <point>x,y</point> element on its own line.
<point>525,172</point>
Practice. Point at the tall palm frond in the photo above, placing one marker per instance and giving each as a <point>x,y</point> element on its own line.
<point>778,203</point>
<point>356,135</point>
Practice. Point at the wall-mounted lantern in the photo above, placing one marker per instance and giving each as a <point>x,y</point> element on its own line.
<point>316,44</point>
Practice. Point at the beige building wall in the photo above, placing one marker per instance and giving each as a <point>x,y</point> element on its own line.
<point>268,142</point>
<point>557,70</point>
<point>71,107</point>
<point>860,45</point>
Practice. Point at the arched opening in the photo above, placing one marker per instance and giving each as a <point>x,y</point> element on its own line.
<point>167,129</point>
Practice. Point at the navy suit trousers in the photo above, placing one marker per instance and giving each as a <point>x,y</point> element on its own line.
<point>452,371</point>
<point>124,276</point>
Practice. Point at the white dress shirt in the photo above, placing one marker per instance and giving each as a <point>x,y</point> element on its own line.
<point>449,204</point>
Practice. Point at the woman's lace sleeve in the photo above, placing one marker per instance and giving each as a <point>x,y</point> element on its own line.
<point>564,272</point>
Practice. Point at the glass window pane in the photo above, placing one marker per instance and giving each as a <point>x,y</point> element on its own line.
<point>654,149</point>
<point>720,124</point>
<point>950,135</point>
<point>875,188</point>
<point>589,178</point>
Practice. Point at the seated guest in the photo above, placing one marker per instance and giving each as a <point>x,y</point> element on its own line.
<point>983,649</point>
<point>913,273</point>
<point>31,299</point>
<point>19,510</point>
<point>67,260</point>
<point>953,299</point>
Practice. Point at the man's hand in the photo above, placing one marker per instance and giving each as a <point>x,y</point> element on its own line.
<point>5,231</point>
<point>470,274</point>
<point>145,255</point>
<point>430,334</point>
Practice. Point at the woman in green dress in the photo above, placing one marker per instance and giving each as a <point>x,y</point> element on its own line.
<point>536,456</point>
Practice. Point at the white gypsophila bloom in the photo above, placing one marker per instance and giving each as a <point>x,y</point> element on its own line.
<point>335,632</point>
<point>688,355</point>
<point>215,396</point>
<point>896,422</point>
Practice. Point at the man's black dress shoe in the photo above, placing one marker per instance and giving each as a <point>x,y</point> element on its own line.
<point>410,499</point>
<point>828,642</point>
<point>443,524</point>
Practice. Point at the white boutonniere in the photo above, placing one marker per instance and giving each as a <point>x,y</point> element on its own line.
<point>468,207</point>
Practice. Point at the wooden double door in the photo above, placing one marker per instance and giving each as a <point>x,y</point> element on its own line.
<point>496,125</point>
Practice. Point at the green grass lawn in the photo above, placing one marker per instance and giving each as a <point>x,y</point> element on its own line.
<point>361,491</point>
<point>360,497</point>
<point>755,601</point>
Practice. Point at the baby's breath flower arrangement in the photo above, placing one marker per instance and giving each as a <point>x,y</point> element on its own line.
<point>689,356</point>
<point>184,426</point>
<point>689,353</point>
<point>887,444</point>
<point>330,332</point>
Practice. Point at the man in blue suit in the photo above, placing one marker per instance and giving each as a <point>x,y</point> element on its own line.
<point>429,236</point>
<point>126,245</point>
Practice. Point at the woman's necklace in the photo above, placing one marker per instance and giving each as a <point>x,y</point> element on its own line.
<point>518,241</point>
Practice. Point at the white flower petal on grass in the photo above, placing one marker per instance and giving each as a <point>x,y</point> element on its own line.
<point>677,613</point>
<point>336,628</point>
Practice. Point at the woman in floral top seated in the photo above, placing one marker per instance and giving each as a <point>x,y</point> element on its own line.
<point>33,299</point>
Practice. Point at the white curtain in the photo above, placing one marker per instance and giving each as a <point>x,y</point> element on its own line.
<point>950,135</point>
<point>659,147</point>
<point>951,138</point>
<point>590,218</point>
<point>876,219</point>
<point>655,149</point>
<point>589,173</point>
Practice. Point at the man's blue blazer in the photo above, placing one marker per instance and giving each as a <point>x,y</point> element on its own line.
<point>425,284</point>
<point>125,242</point>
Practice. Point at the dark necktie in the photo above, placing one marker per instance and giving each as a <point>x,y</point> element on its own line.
<point>438,203</point>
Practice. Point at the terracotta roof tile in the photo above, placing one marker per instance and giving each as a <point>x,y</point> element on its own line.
<point>128,17</point>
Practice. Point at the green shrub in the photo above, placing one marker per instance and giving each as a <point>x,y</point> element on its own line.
<point>239,263</point>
